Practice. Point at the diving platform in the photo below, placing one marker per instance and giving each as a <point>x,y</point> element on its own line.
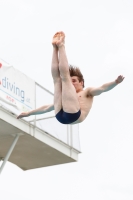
<point>36,141</point>
<point>34,148</point>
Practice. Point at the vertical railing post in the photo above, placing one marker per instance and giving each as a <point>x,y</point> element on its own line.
<point>67,134</point>
<point>71,135</point>
<point>35,115</point>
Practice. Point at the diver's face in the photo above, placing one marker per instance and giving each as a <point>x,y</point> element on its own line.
<point>75,81</point>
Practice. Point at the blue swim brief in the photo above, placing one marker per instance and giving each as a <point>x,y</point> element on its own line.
<point>67,118</point>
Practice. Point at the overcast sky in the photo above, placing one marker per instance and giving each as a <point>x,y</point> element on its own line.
<point>99,39</point>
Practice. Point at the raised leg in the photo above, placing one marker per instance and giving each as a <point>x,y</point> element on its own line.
<point>56,78</point>
<point>70,101</point>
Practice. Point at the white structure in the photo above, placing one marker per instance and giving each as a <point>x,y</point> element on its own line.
<point>36,141</point>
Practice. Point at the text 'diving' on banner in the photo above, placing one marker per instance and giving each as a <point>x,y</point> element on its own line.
<point>16,88</point>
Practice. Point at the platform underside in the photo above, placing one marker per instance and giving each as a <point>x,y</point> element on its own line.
<point>29,153</point>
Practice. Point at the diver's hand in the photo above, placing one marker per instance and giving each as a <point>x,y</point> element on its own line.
<point>119,79</point>
<point>24,114</point>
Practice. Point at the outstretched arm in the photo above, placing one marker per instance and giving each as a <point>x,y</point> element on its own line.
<point>37,111</point>
<point>105,87</point>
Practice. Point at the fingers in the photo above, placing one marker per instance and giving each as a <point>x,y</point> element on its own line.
<point>21,115</point>
<point>122,76</point>
<point>18,117</point>
<point>119,79</point>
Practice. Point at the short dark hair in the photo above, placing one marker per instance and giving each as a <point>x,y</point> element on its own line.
<point>75,71</point>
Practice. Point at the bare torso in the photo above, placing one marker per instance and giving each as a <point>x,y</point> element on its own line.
<point>85,102</point>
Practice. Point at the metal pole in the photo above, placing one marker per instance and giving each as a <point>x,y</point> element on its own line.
<point>67,134</point>
<point>35,108</point>
<point>71,134</point>
<point>9,152</point>
<point>71,140</point>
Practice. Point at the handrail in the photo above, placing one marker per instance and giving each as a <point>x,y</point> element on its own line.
<point>42,118</point>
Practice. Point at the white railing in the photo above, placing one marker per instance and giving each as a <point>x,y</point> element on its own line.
<point>68,134</point>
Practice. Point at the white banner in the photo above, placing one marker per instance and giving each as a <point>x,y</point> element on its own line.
<point>16,88</point>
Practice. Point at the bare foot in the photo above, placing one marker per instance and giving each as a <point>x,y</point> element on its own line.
<point>59,39</point>
<point>55,39</point>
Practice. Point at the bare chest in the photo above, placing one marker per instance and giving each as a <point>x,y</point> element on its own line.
<point>85,101</point>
